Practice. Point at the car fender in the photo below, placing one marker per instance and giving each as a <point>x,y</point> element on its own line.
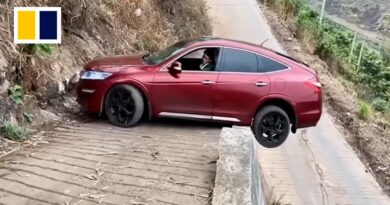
<point>276,96</point>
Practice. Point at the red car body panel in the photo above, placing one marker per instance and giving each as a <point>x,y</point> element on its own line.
<point>188,85</point>
<point>236,93</point>
<point>233,96</point>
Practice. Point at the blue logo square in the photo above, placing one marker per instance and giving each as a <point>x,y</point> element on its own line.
<point>48,25</point>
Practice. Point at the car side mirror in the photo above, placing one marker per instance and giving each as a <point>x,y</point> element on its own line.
<point>175,68</point>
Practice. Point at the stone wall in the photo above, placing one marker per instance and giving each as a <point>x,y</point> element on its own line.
<point>238,174</point>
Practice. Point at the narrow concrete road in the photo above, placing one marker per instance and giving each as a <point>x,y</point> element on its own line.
<point>164,162</point>
<point>316,165</point>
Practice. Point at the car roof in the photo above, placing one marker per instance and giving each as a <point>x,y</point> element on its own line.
<point>216,41</point>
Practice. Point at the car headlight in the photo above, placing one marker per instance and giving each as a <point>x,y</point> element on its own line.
<point>95,75</point>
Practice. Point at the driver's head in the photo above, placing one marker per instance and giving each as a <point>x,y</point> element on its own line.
<point>208,56</point>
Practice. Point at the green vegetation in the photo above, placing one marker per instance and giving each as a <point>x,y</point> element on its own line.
<point>364,111</point>
<point>381,105</point>
<point>28,116</point>
<point>333,43</point>
<point>16,94</point>
<point>15,132</point>
<point>290,7</point>
<point>39,49</point>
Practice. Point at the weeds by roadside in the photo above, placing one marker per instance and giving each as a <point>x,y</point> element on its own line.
<point>381,105</point>
<point>16,94</point>
<point>332,43</point>
<point>275,200</point>
<point>28,117</point>
<point>39,49</point>
<point>14,132</point>
<point>364,111</point>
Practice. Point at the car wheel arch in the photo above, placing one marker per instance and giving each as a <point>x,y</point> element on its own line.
<point>283,103</point>
<point>148,112</point>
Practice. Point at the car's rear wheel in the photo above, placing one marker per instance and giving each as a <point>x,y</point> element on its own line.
<point>271,126</point>
<point>124,105</point>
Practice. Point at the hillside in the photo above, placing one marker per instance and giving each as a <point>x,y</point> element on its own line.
<point>369,14</point>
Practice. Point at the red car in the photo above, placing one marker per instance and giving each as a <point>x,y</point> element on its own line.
<point>208,79</point>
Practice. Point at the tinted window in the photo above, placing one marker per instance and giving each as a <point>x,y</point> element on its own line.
<point>268,65</point>
<point>239,61</point>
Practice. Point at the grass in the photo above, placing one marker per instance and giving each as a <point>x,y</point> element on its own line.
<point>16,94</point>
<point>39,49</point>
<point>29,117</point>
<point>364,111</point>
<point>277,202</point>
<point>273,199</point>
<point>15,132</point>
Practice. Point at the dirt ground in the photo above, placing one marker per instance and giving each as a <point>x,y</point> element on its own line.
<point>370,140</point>
<point>164,162</point>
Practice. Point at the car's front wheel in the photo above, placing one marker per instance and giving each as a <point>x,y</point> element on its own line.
<point>271,126</point>
<point>124,105</point>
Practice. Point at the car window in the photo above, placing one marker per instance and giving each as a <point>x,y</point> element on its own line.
<point>196,61</point>
<point>195,54</point>
<point>239,61</point>
<point>165,53</point>
<point>269,65</point>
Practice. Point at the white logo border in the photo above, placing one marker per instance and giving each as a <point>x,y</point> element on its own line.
<point>37,25</point>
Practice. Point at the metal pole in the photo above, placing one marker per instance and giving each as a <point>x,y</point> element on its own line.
<point>360,55</point>
<point>322,12</point>
<point>352,48</point>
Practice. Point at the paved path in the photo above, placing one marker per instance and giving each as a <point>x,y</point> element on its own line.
<point>88,163</point>
<point>316,165</point>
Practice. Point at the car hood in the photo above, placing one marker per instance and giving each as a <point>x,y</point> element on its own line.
<point>115,63</point>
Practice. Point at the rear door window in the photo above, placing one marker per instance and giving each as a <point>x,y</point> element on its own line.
<point>269,65</point>
<point>235,60</point>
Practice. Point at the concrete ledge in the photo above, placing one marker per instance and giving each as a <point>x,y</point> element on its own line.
<point>237,179</point>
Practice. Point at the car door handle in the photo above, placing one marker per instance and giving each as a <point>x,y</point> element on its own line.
<point>208,82</point>
<point>261,84</point>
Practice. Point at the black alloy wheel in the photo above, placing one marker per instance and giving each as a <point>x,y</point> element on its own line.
<point>271,126</point>
<point>124,105</point>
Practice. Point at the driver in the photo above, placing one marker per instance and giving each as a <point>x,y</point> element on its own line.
<point>208,63</point>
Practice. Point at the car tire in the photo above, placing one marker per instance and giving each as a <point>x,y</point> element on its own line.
<point>271,126</point>
<point>124,105</point>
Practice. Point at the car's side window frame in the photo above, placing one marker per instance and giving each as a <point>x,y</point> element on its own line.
<point>222,64</point>
<point>164,68</point>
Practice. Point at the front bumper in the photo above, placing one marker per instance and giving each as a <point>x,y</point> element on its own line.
<point>90,95</point>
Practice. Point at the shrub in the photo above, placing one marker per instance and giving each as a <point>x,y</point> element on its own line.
<point>307,19</point>
<point>15,132</point>
<point>381,105</point>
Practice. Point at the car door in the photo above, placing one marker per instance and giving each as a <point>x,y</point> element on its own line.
<point>240,86</point>
<point>189,94</point>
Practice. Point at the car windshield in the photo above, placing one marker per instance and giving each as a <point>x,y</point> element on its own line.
<point>165,53</point>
